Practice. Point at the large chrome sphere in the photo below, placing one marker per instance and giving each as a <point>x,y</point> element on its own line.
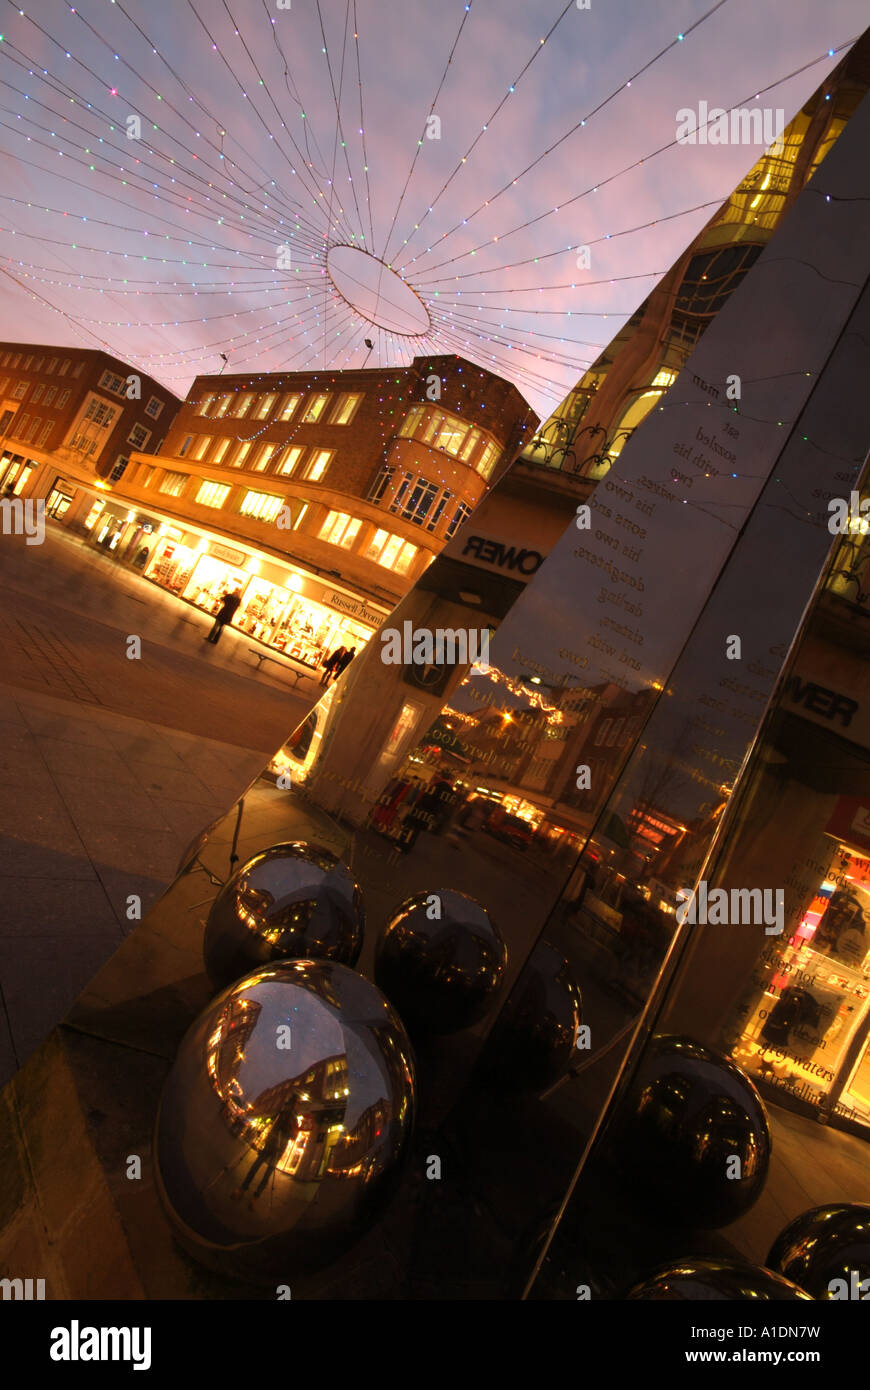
<point>534,1038</point>
<point>827,1251</point>
<point>284,1120</point>
<point>441,961</point>
<point>698,1280</point>
<point>291,902</point>
<point>692,1137</point>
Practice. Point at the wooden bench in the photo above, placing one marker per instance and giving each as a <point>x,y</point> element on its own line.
<point>266,656</point>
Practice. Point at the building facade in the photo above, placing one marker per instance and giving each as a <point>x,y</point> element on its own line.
<point>319,497</point>
<point>70,419</point>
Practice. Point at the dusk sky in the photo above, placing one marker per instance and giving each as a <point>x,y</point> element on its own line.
<point>165,249</point>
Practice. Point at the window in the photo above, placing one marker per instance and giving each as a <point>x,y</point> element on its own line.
<point>418,504</point>
<point>76,371</point>
<point>203,408</point>
<point>602,732</point>
<point>244,403</point>
<point>64,367</point>
<point>263,457</point>
<point>316,407</point>
<point>99,411</point>
<point>46,431</point>
<point>119,469</point>
<point>21,423</point>
<point>173,484</point>
<point>52,365</point>
<point>28,362</point>
<point>289,459</point>
<point>265,506</point>
<point>381,483</point>
<point>472,439</point>
<point>3,384</point>
<point>108,381</point>
<point>460,515</point>
<point>154,407</point>
<point>148,477</point>
<point>35,427</point>
<point>486,463</point>
<point>345,409</point>
<point>62,399</point>
<point>390,551</point>
<point>201,446</point>
<point>340,529</point>
<point>138,436</point>
<point>318,465</point>
<point>185,446</point>
<point>40,363</point>
<point>264,405</point>
<point>450,434</point>
<point>212,494</point>
<point>20,391</point>
<point>17,358</point>
<point>409,425</point>
<point>50,394</point>
<point>241,453</point>
<point>219,450</point>
<point>288,405</point>
<point>36,394</point>
<point>222,406</point>
<point>436,515</point>
<point>614,732</point>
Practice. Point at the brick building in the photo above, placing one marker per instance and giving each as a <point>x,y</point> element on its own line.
<point>321,496</point>
<point>70,419</point>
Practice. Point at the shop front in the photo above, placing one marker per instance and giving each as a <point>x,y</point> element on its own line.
<point>16,472</point>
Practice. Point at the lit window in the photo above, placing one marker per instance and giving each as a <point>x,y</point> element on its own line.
<point>204,407</point>
<point>212,494</point>
<point>345,410</point>
<point>265,506</point>
<point>472,439</point>
<point>263,457</point>
<point>340,529</point>
<point>244,403</point>
<point>405,558</point>
<point>242,453</point>
<point>486,463</point>
<point>410,421</point>
<point>138,436</point>
<point>219,450</point>
<point>264,405</point>
<point>450,435</point>
<point>173,484</point>
<point>289,460</point>
<point>315,408</point>
<point>155,407</point>
<point>376,545</point>
<point>222,406</point>
<point>288,405</point>
<point>201,446</point>
<point>318,465</point>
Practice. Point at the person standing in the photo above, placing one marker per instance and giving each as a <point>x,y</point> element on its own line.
<point>344,660</point>
<point>225,614</point>
<point>329,664</point>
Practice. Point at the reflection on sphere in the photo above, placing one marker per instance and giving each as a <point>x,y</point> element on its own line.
<point>290,902</point>
<point>284,1120</point>
<point>534,1038</point>
<point>715,1280</point>
<point>827,1251</point>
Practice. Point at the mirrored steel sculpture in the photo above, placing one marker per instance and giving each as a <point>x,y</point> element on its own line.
<point>703,1280</point>
<point>440,961</point>
<point>290,902</point>
<point>827,1251</point>
<point>534,1040</point>
<point>692,1135</point>
<point>284,1120</point>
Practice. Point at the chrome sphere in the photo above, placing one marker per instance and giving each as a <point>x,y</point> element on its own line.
<point>284,1121</point>
<point>441,961</point>
<point>290,902</point>
<point>699,1280</point>
<point>692,1136</point>
<point>533,1041</point>
<point>827,1251</point>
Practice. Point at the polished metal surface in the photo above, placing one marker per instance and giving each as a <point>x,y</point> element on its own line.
<point>692,1137</point>
<point>716,1281</point>
<point>535,1036</point>
<point>292,901</point>
<point>284,1121</point>
<point>827,1251</point>
<point>441,961</point>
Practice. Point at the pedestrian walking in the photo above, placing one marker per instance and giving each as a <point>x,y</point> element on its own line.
<point>329,663</point>
<point>225,614</point>
<point>344,660</point>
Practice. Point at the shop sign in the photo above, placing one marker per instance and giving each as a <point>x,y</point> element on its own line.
<point>491,552</point>
<point>352,607</point>
<point>223,552</point>
<point>851,821</point>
